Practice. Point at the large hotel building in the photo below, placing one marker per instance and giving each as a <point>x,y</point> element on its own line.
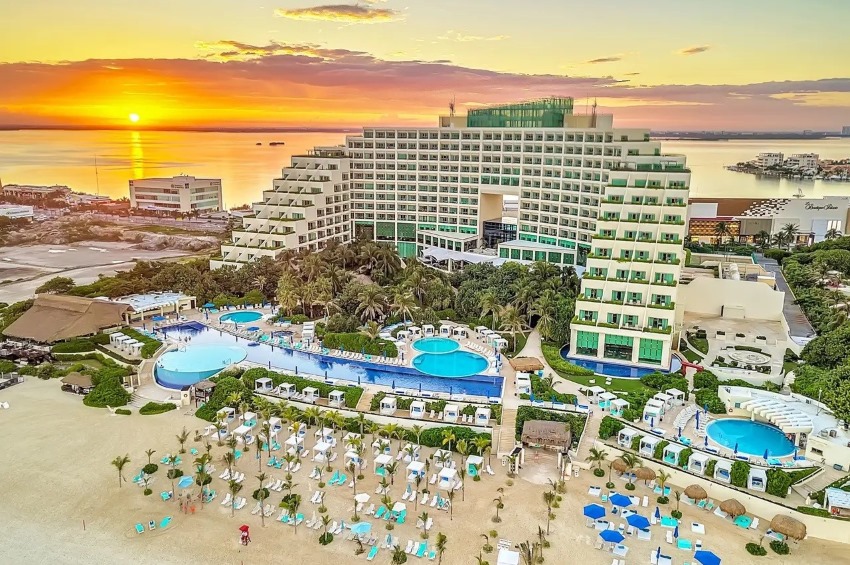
<point>589,195</point>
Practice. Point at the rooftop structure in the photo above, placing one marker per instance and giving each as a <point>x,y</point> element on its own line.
<point>157,303</point>
<point>181,193</point>
<point>35,191</point>
<point>56,318</point>
<point>545,113</point>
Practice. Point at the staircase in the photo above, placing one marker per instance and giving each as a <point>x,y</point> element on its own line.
<point>137,401</point>
<point>365,401</point>
<point>506,432</point>
<point>591,432</point>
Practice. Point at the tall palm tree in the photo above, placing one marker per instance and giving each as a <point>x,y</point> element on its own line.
<point>499,504</point>
<point>544,308</point>
<point>549,498</point>
<point>416,430</point>
<point>632,462</point>
<point>451,497</point>
<point>391,470</point>
<point>762,238</point>
<point>832,233</point>
<point>462,448</point>
<point>597,457</point>
<point>233,487</point>
<point>293,503</point>
<point>541,542</point>
<point>448,437</point>
<point>440,546</point>
<point>371,329</point>
<point>229,459</point>
<point>261,495</point>
<point>119,463</point>
<point>403,303</point>
<point>372,303</point>
<point>790,232</point>
<point>661,478</point>
<point>721,230</point>
<point>416,282</point>
<point>513,323</point>
<point>149,453</point>
<point>490,305</point>
<point>424,519</point>
<point>182,438</point>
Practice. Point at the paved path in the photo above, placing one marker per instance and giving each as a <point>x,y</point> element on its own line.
<point>797,321</point>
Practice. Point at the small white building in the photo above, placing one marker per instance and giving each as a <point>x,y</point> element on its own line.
<point>625,437</point>
<point>417,409</point>
<point>723,471</point>
<point>446,478</point>
<point>837,502</point>
<point>671,453</point>
<point>482,416</point>
<point>388,405</point>
<point>284,390</point>
<point>647,445</point>
<point>757,479</point>
<point>451,413</point>
<point>697,462</point>
<point>181,193</point>
<point>263,385</point>
<point>16,212</point>
<point>310,394</point>
<point>336,398</point>
<point>769,159</point>
<point>652,412</point>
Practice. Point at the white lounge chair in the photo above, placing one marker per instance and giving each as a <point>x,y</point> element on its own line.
<point>227,499</point>
<point>258,508</point>
<point>424,498</point>
<point>409,548</point>
<point>269,510</point>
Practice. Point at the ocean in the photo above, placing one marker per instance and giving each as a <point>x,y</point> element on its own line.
<point>246,169</point>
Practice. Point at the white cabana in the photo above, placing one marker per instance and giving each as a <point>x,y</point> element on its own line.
<point>677,395</point>
<point>473,464</point>
<point>295,442</point>
<point>326,435</point>
<point>446,478</point>
<point>249,419</point>
<point>671,453</point>
<point>652,412</point>
<point>388,405</point>
<point>242,432</point>
<point>302,430</point>
<point>415,469</point>
<point>625,437</point>
<point>440,455</point>
<point>403,334</point>
<point>381,462</point>
<point>336,398</point>
<point>647,445</point>
<point>417,409</point>
<point>595,390</point>
<point>352,457</point>
<point>665,399</point>
<point>723,471</point>
<point>507,557</point>
<point>382,445</point>
<point>415,330</point>
<point>481,329</point>
<point>697,462</point>
<point>284,390</point>
<point>226,414</point>
<point>757,480</point>
<point>117,337</point>
<point>275,424</point>
<point>446,329</point>
<point>321,450</point>
<point>451,413</point>
<point>427,330</point>
<point>411,452</point>
<point>482,416</point>
<point>310,394</point>
<point>618,405</point>
<point>499,343</point>
<point>263,385</point>
<point>459,331</point>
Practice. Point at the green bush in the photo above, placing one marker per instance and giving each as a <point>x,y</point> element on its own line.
<point>174,474</point>
<point>709,398</point>
<point>710,466</point>
<point>152,408</point>
<point>636,443</point>
<point>658,453</point>
<point>546,393</point>
<point>576,421</point>
<point>150,468</point>
<point>598,472</point>
<point>150,344</point>
<point>706,379</point>
<point>299,319</point>
<point>73,346</point>
<point>358,342</point>
<point>342,323</point>
<point>777,254</point>
<point>99,339</point>
<point>562,366</point>
<point>778,482</point>
<point>326,538</point>
<point>609,427</point>
<point>433,437</point>
<point>755,549</point>
<point>123,412</point>
<point>740,474</point>
<point>108,389</point>
<point>224,387</point>
<point>684,455</point>
<point>779,547</point>
<point>821,512</point>
<point>663,381</point>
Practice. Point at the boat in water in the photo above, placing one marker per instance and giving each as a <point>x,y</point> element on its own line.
<point>273,143</point>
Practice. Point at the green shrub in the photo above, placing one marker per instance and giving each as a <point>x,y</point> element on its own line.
<point>677,514</point>
<point>598,472</point>
<point>342,323</point>
<point>636,443</point>
<point>609,427</point>
<point>709,398</point>
<point>706,379</point>
<point>123,412</point>
<point>684,455</point>
<point>740,474</point>
<point>663,381</point>
<point>299,319</point>
<point>224,387</point>
<point>433,437</point>
<point>821,512</point>
<point>546,393</point>
<point>778,482</point>
<point>576,421</point>
<point>358,342</point>
<point>326,538</point>
<point>150,468</point>
<point>174,474</point>
<point>779,547</point>
<point>108,389</point>
<point>150,344</point>
<point>709,468</point>
<point>562,366</point>
<point>755,549</point>
<point>658,453</point>
<point>73,346</point>
<point>152,408</point>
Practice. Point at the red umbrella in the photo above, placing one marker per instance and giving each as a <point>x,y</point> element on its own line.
<point>243,528</point>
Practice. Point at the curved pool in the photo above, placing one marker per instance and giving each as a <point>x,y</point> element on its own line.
<point>750,438</point>
<point>454,364</point>
<point>194,363</point>
<point>618,370</point>
<point>241,317</point>
<point>436,345</point>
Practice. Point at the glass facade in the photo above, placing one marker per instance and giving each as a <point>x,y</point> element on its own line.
<point>545,113</point>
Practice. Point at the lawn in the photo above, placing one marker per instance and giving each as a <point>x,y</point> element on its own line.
<point>699,343</point>
<point>690,354</point>
<point>520,344</point>
<point>170,230</point>
<point>553,358</point>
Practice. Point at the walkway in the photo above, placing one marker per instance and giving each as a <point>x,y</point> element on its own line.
<point>797,321</point>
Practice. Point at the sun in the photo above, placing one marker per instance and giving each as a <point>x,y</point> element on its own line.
<point>133,118</point>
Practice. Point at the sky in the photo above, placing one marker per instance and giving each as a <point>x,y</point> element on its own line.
<point>779,65</point>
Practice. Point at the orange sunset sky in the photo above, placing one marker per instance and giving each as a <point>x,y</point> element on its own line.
<point>725,64</point>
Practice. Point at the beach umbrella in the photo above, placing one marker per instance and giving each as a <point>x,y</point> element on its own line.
<point>706,557</point>
<point>658,553</point>
<point>676,532</point>
<point>697,419</point>
<point>209,305</point>
<point>733,508</point>
<point>243,528</point>
<point>618,499</point>
<point>399,507</point>
<point>393,387</point>
<point>788,526</point>
<point>619,465</point>
<point>358,380</point>
<point>638,521</point>
<point>705,441</point>
<point>645,474</point>
<point>766,454</point>
<point>736,448</point>
<point>696,492</point>
<point>158,318</point>
<point>611,536</point>
<point>680,431</point>
<point>420,388</point>
<point>657,513</point>
<point>594,511</point>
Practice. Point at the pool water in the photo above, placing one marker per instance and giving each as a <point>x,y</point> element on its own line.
<point>436,345</point>
<point>193,363</point>
<point>242,317</point>
<point>752,438</point>
<point>618,370</point>
<point>454,364</point>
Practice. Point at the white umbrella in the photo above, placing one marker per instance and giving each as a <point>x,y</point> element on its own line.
<point>362,497</point>
<point>399,507</point>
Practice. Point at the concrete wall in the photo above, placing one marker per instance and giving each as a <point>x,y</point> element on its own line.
<point>708,297</point>
<point>752,377</point>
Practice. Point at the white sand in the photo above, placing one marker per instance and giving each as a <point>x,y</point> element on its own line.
<point>55,474</point>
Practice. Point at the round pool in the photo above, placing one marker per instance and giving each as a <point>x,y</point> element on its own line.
<point>436,345</point>
<point>751,438</point>
<point>454,364</point>
<point>242,317</point>
<point>193,363</point>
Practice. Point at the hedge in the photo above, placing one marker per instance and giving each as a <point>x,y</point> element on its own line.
<point>352,393</point>
<point>740,474</point>
<point>707,397</point>
<point>150,344</point>
<point>576,421</point>
<point>709,468</point>
<point>108,390</point>
<point>359,343</point>
<point>73,346</point>
<point>609,426</point>
<point>224,387</point>
<point>152,408</point>
<point>433,437</point>
<point>560,365</point>
<point>802,474</point>
<point>546,393</point>
<point>658,452</point>
<point>821,512</point>
<point>123,412</point>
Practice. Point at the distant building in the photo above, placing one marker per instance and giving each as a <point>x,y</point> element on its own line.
<point>803,161</point>
<point>177,194</point>
<point>765,160</point>
<point>845,130</point>
<point>35,192</point>
<point>16,212</point>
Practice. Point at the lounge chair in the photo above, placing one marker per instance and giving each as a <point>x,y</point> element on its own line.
<point>434,501</point>
<point>372,553</point>
<point>257,509</point>
<point>166,495</point>
<point>490,471</point>
<point>424,498</point>
<point>420,552</point>
<point>269,510</point>
<point>433,479</point>
<point>226,500</point>
<point>151,525</point>
<point>371,510</point>
<point>409,548</point>
<point>380,512</point>
<point>140,529</point>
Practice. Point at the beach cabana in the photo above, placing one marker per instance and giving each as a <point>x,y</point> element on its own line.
<point>697,462</point>
<point>415,331</point>
<point>647,445</point>
<point>310,394</point>
<point>388,405</point>
<point>482,416</point>
<point>446,330</point>
<point>446,478</point>
<point>382,445</point>
<point>326,435</point>
<point>352,457</point>
<point>594,391</point>
<point>415,469</point>
<point>625,437</point>
<point>284,390</point>
<point>296,443</point>
<point>500,343</point>
<point>665,399</point>
<point>451,413</point>
<point>757,480</point>
<point>652,412</point>
<point>671,453</point>
<point>441,455</point>
<point>263,385</point>
<point>411,452</point>
<point>507,557</point>
<point>473,464</point>
<point>618,405</point>
<point>336,398</point>
<point>243,433</point>
<point>427,330</point>
<point>249,419</point>
<point>77,382</point>
<point>788,526</point>
<point>723,471</point>
<point>417,409</point>
<point>460,331</point>
<point>381,461</point>
<point>403,334</point>
<point>677,395</point>
<point>321,451</point>
<point>733,508</point>
<point>481,329</point>
<point>226,414</point>
<point>605,399</point>
<point>349,439</point>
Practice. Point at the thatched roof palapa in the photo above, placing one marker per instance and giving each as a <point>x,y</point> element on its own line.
<point>733,507</point>
<point>543,432</point>
<point>645,474</point>
<point>54,318</point>
<point>696,492</point>
<point>619,465</point>
<point>788,526</point>
<point>526,364</point>
<point>77,379</point>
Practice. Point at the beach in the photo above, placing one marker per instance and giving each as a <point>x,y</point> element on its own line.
<point>62,502</point>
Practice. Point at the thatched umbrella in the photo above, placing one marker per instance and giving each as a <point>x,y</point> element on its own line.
<point>619,465</point>
<point>788,526</point>
<point>733,508</point>
<point>645,474</point>
<point>696,492</point>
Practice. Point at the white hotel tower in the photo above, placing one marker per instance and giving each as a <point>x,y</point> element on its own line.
<point>589,195</point>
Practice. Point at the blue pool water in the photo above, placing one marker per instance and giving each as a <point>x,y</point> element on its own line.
<point>454,364</point>
<point>192,363</point>
<point>618,370</point>
<point>436,345</point>
<point>361,372</point>
<point>752,438</point>
<point>241,317</point>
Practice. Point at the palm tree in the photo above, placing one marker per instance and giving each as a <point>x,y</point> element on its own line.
<point>462,474</point>
<point>372,303</point>
<point>417,430</point>
<point>721,230</point>
<point>440,546</point>
<point>678,496</point>
<point>490,305</point>
<point>544,308</point>
<point>311,415</point>
<point>482,444</point>
<point>448,437</point>
<point>325,521</point>
<point>497,502</point>
<point>549,498</point>
<point>119,463</point>
<point>391,469</point>
<point>462,448</point>
<point>832,233</point>
<point>183,437</point>
<point>293,503</point>
<point>267,431</point>
<point>404,303</point>
<point>261,495</point>
<point>513,323</point>
<point>763,239</point>
<point>527,553</point>
<point>234,489</point>
<point>597,456</point>
<point>661,478</point>
<point>424,519</point>
<point>371,329</point>
<point>220,426</point>
<point>399,556</point>
<point>789,232</point>
<point>632,462</point>
<point>229,459</point>
<point>451,497</point>
<point>417,480</point>
<point>541,542</point>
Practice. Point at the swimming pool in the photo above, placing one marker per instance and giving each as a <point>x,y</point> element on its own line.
<point>751,438</point>
<point>193,363</point>
<point>242,317</point>
<point>454,364</point>
<point>618,370</point>
<point>360,372</point>
<point>436,345</point>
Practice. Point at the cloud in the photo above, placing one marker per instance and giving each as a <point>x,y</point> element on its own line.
<point>695,50</point>
<point>345,13</point>
<point>460,37</point>
<point>229,50</point>
<point>612,59</point>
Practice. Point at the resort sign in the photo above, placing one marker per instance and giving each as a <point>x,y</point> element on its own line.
<point>810,206</point>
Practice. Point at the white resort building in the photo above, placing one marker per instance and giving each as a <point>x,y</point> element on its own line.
<point>177,194</point>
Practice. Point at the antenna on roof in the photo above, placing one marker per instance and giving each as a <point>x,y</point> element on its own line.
<point>452,106</point>
<point>593,115</point>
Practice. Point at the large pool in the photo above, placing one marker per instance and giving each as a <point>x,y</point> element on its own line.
<point>436,345</point>
<point>750,438</point>
<point>360,372</point>
<point>618,370</point>
<point>241,317</point>
<point>192,363</point>
<point>454,364</point>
